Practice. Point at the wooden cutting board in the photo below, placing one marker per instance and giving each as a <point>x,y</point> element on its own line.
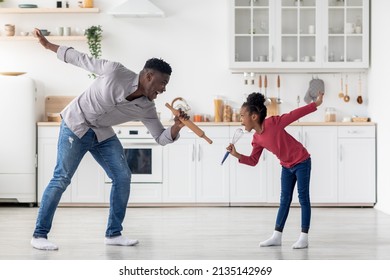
<point>273,108</point>
<point>55,104</point>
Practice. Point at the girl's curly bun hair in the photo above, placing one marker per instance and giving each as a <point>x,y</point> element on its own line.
<point>255,105</point>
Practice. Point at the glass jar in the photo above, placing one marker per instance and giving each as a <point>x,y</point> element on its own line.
<point>236,115</point>
<point>330,114</point>
<point>218,109</point>
<point>227,113</point>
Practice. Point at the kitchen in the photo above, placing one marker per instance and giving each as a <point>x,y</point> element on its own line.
<point>194,38</point>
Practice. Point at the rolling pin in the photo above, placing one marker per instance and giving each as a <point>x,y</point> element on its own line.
<point>190,124</point>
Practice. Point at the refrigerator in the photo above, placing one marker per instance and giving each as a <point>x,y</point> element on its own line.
<point>18,140</point>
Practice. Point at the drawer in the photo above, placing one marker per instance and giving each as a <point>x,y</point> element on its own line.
<point>356,131</point>
<point>48,131</point>
<point>210,131</point>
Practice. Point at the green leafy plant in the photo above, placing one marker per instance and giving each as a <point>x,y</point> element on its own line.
<point>94,39</point>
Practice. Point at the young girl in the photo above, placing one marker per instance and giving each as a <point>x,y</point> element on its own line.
<point>270,134</point>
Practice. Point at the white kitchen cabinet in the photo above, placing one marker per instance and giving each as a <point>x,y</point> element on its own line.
<point>248,184</point>
<point>180,171</point>
<point>346,33</point>
<point>357,165</point>
<point>193,170</point>
<point>87,185</point>
<point>304,34</point>
<point>252,26</point>
<point>321,143</point>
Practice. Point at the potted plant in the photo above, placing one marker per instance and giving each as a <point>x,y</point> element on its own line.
<point>94,38</point>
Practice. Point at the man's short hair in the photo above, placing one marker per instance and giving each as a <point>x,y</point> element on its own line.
<point>159,65</point>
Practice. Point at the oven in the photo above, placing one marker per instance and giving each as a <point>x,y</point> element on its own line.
<point>144,156</point>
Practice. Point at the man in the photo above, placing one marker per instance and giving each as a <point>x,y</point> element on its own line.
<point>118,95</point>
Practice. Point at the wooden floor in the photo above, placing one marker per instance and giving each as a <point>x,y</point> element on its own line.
<point>206,233</point>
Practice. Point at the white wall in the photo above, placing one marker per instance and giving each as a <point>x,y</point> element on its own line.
<point>193,38</point>
<point>379,83</point>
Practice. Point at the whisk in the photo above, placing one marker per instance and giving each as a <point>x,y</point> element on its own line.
<point>237,135</point>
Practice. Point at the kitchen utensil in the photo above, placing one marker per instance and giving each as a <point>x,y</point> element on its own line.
<point>341,93</point>
<point>12,73</point>
<point>237,135</point>
<point>260,83</point>
<point>346,96</point>
<point>267,100</point>
<point>190,124</point>
<point>360,98</point>
<point>28,6</point>
<point>245,78</point>
<point>278,100</point>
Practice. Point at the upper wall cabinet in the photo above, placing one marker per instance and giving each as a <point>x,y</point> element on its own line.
<point>299,34</point>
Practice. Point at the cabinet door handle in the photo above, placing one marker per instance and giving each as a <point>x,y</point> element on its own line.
<point>193,152</point>
<point>341,153</point>
<point>199,152</point>
<point>272,53</point>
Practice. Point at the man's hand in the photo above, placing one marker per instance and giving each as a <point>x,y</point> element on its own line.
<point>44,42</point>
<point>182,116</point>
<point>178,124</point>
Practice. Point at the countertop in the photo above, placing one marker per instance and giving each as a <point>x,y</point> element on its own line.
<point>167,123</point>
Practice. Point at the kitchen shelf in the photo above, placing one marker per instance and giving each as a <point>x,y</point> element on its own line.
<point>50,38</point>
<point>47,10</point>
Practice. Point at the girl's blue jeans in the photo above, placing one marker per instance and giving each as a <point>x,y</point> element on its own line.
<point>300,174</point>
<point>70,150</point>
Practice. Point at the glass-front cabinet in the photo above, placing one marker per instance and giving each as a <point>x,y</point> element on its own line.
<point>299,34</point>
<point>298,41</point>
<point>253,32</point>
<point>347,33</point>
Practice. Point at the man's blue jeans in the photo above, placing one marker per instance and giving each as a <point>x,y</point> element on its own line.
<point>299,173</point>
<point>109,154</point>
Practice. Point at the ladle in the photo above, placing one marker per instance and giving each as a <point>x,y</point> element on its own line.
<point>346,96</point>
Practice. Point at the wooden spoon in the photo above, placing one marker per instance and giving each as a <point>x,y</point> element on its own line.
<point>341,93</point>
<point>267,100</point>
<point>346,96</point>
<point>360,98</point>
<point>278,100</point>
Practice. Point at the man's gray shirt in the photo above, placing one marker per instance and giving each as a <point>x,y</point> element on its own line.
<point>104,103</point>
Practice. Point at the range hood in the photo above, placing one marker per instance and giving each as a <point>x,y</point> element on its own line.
<point>136,8</point>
